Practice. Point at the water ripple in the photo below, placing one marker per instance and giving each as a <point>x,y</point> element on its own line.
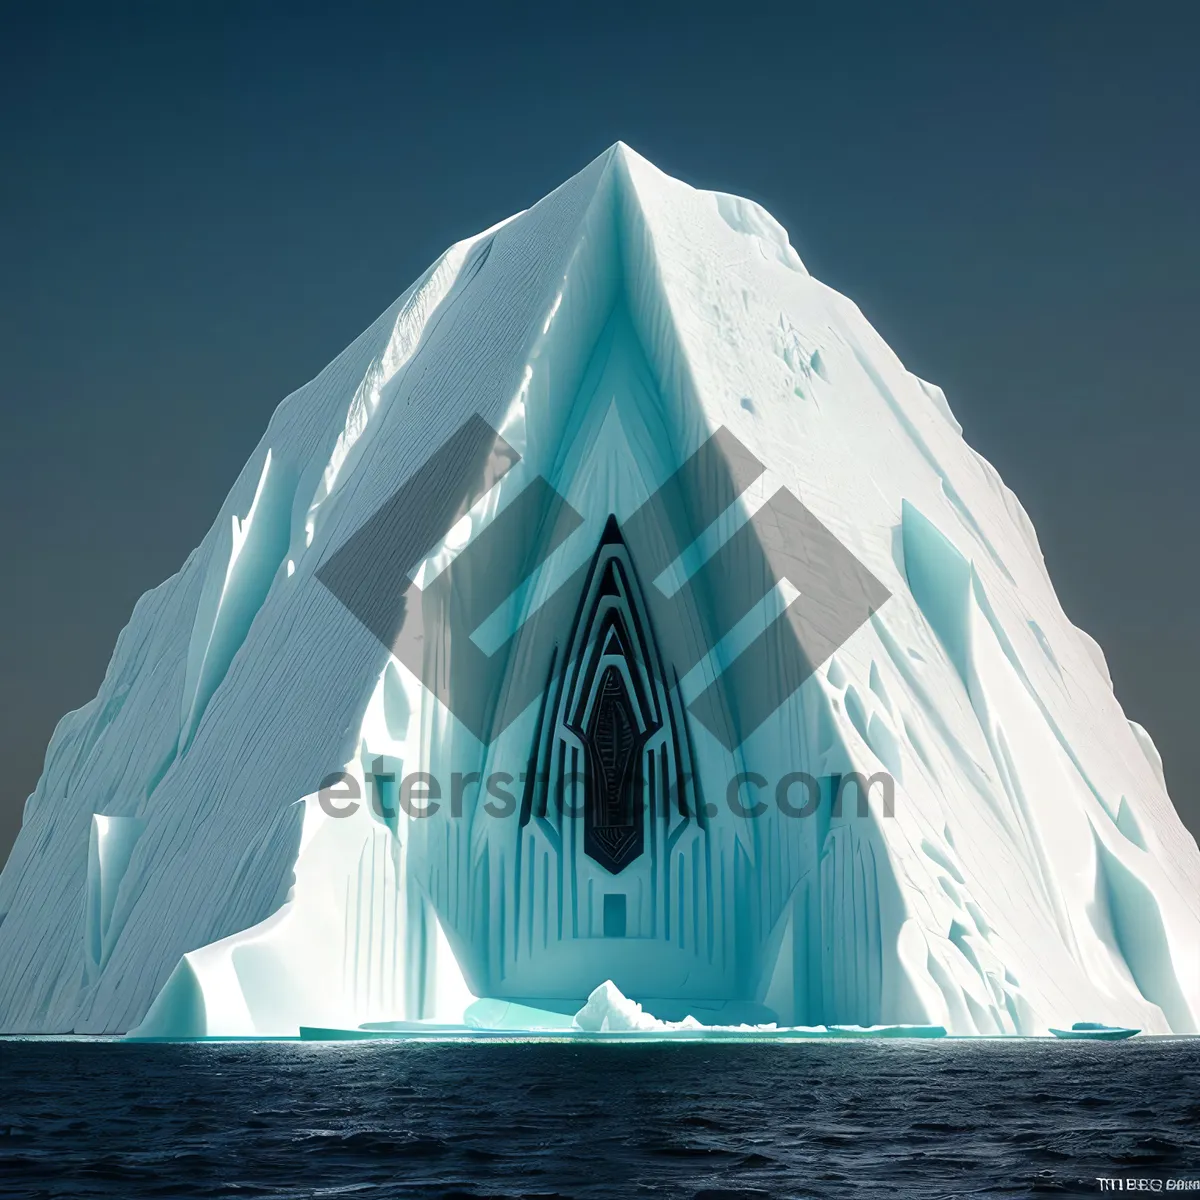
<point>288,1120</point>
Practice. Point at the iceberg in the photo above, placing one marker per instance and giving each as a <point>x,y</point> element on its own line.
<point>616,612</point>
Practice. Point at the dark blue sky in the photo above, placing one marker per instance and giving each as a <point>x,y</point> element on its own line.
<point>202,203</point>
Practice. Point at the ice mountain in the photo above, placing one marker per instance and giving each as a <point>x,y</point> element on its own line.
<point>616,527</point>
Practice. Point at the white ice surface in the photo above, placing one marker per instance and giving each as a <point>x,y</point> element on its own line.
<point>174,869</point>
<point>608,1011</point>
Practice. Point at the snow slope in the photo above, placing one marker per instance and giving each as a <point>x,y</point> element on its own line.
<point>175,871</point>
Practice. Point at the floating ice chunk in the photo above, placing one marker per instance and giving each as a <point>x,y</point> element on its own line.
<point>886,1031</point>
<point>609,1011</point>
<point>504,1014</point>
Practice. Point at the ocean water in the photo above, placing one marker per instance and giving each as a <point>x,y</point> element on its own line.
<point>384,1119</point>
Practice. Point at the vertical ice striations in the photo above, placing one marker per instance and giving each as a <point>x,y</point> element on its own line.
<point>641,722</point>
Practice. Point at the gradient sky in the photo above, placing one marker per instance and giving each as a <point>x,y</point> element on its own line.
<point>201,204</point>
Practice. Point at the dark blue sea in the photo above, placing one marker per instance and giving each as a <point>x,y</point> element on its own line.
<point>384,1119</point>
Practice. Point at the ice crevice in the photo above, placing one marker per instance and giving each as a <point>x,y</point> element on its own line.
<point>110,848</point>
<point>258,546</point>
